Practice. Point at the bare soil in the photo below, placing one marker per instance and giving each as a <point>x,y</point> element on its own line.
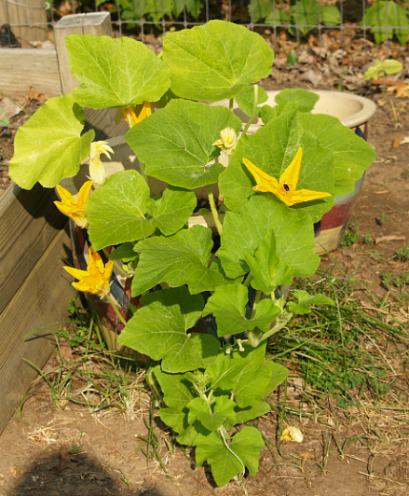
<point>361,450</point>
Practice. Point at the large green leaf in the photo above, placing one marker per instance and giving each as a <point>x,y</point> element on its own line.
<point>246,232</point>
<point>176,143</point>
<point>177,260</point>
<point>260,9</point>
<point>215,61</point>
<point>272,148</point>
<point>387,18</point>
<point>351,155</point>
<point>159,331</point>
<point>115,72</point>
<point>228,304</point>
<point>306,15</point>
<point>191,306</point>
<point>226,463</point>
<point>212,416</point>
<point>177,390</point>
<point>173,209</point>
<point>49,147</point>
<point>119,210</point>
<point>248,375</point>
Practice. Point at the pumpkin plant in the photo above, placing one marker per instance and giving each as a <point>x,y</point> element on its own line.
<point>209,295</point>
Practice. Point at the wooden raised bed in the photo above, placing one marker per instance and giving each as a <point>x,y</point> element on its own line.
<point>34,292</point>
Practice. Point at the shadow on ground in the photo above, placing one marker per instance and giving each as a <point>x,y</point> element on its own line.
<point>64,473</point>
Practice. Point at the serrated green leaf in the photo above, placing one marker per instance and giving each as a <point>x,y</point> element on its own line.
<point>174,418</point>
<point>298,98</point>
<point>387,18</point>
<point>115,72</point>
<point>351,154</point>
<point>330,15</point>
<point>159,332</point>
<point>212,416</point>
<point>177,260</point>
<point>177,390</point>
<point>176,143</point>
<point>305,301</point>
<point>191,306</point>
<point>258,409</point>
<point>306,15</point>
<point>215,61</point>
<point>119,210</point>
<point>242,244</point>
<point>272,148</point>
<point>49,146</point>
<point>228,305</point>
<point>173,209</point>
<point>246,446</point>
<point>246,96</point>
<point>248,375</point>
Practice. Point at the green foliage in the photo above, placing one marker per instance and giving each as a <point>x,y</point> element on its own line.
<point>387,19</point>
<point>155,10</point>
<point>215,61</point>
<point>305,14</point>
<point>205,302</point>
<point>49,146</point>
<point>182,135</point>
<point>115,72</point>
<point>383,67</point>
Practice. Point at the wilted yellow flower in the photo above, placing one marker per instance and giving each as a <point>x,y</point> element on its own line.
<point>95,279</point>
<point>96,167</point>
<point>227,141</point>
<point>292,434</point>
<point>132,118</point>
<point>73,206</point>
<point>285,189</point>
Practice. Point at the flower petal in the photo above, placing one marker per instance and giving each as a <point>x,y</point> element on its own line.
<point>291,175</point>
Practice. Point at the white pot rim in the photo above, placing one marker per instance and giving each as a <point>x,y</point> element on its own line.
<point>365,108</point>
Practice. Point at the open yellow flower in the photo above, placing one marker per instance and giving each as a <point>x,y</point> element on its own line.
<point>95,279</point>
<point>285,188</point>
<point>96,167</point>
<point>73,206</point>
<point>132,118</point>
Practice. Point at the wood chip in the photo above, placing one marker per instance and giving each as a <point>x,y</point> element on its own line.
<point>392,237</point>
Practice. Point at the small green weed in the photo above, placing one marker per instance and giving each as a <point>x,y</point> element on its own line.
<point>390,280</point>
<point>380,219</point>
<point>350,237</point>
<point>367,239</point>
<point>402,254</point>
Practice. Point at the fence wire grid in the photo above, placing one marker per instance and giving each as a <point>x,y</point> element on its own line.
<point>25,21</point>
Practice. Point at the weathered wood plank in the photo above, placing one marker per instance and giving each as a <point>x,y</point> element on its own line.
<point>27,18</point>
<point>28,223</point>
<point>22,68</point>
<point>39,306</point>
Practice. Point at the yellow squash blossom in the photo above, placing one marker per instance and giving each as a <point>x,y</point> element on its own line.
<point>132,118</point>
<point>73,206</point>
<point>292,434</point>
<point>95,279</point>
<point>96,167</point>
<point>227,141</point>
<point>285,188</point>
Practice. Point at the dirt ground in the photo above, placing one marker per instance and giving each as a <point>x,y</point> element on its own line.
<point>362,450</point>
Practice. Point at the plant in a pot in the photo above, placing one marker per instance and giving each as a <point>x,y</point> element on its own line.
<point>205,300</point>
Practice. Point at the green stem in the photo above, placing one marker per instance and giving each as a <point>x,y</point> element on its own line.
<point>215,213</point>
<point>222,431</point>
<point>110,299</point>
<point>253,111</point>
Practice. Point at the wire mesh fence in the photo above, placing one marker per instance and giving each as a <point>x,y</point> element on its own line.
<point>25,21</point>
